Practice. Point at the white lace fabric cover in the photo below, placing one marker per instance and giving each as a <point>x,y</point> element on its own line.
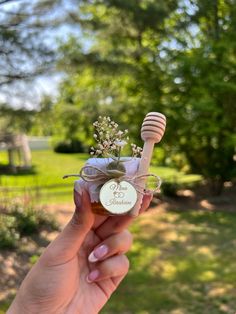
<point>131,166</point>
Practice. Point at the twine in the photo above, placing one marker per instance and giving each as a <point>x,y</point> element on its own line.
<point>103,176</point>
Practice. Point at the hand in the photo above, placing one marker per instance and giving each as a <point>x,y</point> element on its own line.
<point>81,268</point>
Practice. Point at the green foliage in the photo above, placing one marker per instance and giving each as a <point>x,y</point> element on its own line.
<point>172,56</point>
<point>29,220</point>
<point>22,120</point>
<point>24,52</point>
<point>177,160</point>
<point>203,79</point>
<point>21,221</point>
<point>4,306</point>
<point>44,114</point>
<point>15,120</point>
<point>180,61</point>
<point>9,235</point>
<point>170,188</point>
<point>69,146</point>
<point>119,71</point>
<point>158,157</point>
<point>34,258</point>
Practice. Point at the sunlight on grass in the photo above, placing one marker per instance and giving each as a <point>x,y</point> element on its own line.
<point>168,275</point>
<point>207,276</point>
<point>205,251</point>
<point>3,307</point>
<point>168,270</point>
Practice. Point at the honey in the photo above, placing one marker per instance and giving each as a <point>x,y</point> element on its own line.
<point>98,209</point>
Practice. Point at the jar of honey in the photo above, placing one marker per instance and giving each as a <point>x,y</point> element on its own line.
<point>92,167</point>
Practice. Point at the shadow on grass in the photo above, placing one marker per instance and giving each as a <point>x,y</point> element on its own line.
<point>18,171</point>
<point>180,263</point>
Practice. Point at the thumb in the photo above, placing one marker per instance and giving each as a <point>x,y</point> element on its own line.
<point>69,241</point>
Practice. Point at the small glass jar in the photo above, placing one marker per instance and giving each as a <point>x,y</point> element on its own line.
<point>98,209</point>
<point>131,168</point>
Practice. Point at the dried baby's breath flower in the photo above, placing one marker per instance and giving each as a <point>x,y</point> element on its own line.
<point>120,143</point>
<point>110,140</point>
<point>137,151</point>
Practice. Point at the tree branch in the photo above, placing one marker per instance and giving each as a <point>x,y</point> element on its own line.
<point>7,1</point>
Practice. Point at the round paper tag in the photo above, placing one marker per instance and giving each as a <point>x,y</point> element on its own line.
<point>118,197</point>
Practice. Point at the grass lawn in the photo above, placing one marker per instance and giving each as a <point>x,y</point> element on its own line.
<point>46,183</point>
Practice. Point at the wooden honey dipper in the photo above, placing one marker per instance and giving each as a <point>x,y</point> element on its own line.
<point>152,131</point>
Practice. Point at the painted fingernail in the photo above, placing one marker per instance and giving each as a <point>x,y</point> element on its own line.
<point>78,188</point>
<point>98,253</point>
<point>92,276</point>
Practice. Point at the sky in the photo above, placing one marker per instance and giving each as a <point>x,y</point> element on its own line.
<point>28,94</point>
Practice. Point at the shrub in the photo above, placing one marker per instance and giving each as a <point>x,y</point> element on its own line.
<point>69,147</point>
<point>158,157</point>
<point>29,220</point>
<point>33,259</point>
<point>178,161</point>
<point>8,233</point>
<point>170,188</point>
<point>26,221</point>
<point>18,221</point>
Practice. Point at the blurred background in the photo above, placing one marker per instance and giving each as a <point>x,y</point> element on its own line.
<point>64,63</point>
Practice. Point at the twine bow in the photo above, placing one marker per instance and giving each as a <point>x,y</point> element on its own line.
<point>103,176</point>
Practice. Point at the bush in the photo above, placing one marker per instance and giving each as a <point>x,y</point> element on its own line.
<point>19,221</point>
<point>26,221</point>
<point>169,189</point>
<point>178,161</point>
<point>158,157</point>
<point>8,233</point>
<point>29,220</point>
<point>69,147</point>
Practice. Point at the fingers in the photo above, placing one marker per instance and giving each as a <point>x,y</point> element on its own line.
<point>116,266</point>
<point>118,223</point>
<point>67,244</point>
<point>115,244</point>
<point>147,198</point>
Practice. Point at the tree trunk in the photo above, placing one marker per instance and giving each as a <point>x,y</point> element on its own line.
<point>216,186</point>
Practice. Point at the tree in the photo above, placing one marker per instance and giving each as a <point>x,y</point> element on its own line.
<point>204,91</point>
<point>177,57</point>
<point>120,72</point>
<point>43,120</point>
<point>15,120</point>
<point>24,52</point>
<point>33,122</point>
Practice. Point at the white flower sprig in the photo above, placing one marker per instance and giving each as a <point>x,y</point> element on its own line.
<point>137,151</point>
<point>110,140</point>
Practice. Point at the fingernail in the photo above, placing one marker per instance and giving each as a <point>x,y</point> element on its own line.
<point>98,253</point>
<point>78,188</point>
<point>92,276</point>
